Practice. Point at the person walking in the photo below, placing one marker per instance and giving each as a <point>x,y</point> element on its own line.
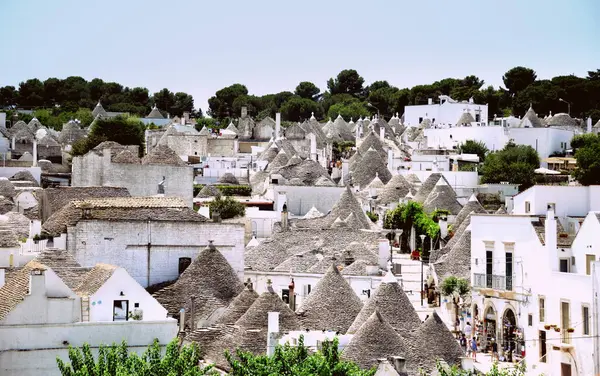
<point>474,348</point>
<point>495,351</point>
<point>468,330</point>
<point>463,343</point>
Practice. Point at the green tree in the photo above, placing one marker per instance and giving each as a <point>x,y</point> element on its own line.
<point>474,147</point>
<point>183,103</point>
<point>220,105</point>
<point>298,109</point>
<point>31,93</point>
<point>518,79</point>
<point>351,110</point>
<point>409,215</point>
<point>457,289</point>
<point>52,90</point>
<point>307,90</point>
<point>514,163</point>
<point>296,361</point>
<point>116,360</point>
<point>120,129</point>
<point>207,122</point>
<point>587,154</point>
<point>519,369</point>
<point>227,207</point>
<point>164,100</point>
<point>383,100</point>
<point>8,96</point>
<point>347,81</point>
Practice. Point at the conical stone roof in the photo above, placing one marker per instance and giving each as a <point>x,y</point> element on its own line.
<point>427,186</point>
<point>433,341</point>
<point>501,210</point>
<point>269,154</point>
<point>24,175</point>
<point>393,304</point>
<point>279,161</point>
<point>368,167</point>
<point>155,114</point>
<point>204,131</point>
<point>331,305</point>
<point>162,155</point>
<point>210,278</point>
<point>372,141</point>
<point>394,190</point>
<point>376,183</point>
<point>531,120</point>
<point>232,128</point>
<point>312,213</point>
<point>294,160</point>
<point>7,189</point>
<point>6,205</point>
<point>354,159</point>
<point>442,197</point>
<point>207,191</point>
<point>348,204</point>
<point>338,223</point>
<point>465,119</point>
<point>375,339</point>
<point>457,262</point>
<point>99,110</point>
<point>256,317</point>
<point>472,206</point>
<point>239,305</point>
<point>341,128</point>
<point>322,181</point>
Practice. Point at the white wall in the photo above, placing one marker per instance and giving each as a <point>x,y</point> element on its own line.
<point>32,350</point>
<point>456,179</point>
<point>569,200</point>
<point>446,113</point>
<point>125,244</point>
<point>300,199</point>
<point>101,303</point>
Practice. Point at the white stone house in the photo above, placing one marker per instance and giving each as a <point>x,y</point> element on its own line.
<point>153,238</point>
<point>533,275</point>
<point>44,310</point>
<point>446,113</point>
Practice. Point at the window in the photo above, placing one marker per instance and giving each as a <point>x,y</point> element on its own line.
<point>530,319</point>
<point>420,120</point>
<point>184,262</point>
<point>508,268</point>
<point>120,310</point>
<point>565,321</point>
<point>489,268</point>
<point>527,207</point>
<point>285,296</point>
<point>588,263</point>
<point>542,307</point>
<point>542,338</point>
<point>564,265</point>
<point>585,312</point>
<point>307,289</point>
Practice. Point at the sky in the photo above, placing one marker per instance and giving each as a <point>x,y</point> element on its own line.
<point>199,46</point>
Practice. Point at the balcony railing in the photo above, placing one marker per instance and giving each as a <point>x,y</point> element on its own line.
<point>493,281</point>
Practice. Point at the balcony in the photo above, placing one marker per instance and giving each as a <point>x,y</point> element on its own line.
<point>493,281</point>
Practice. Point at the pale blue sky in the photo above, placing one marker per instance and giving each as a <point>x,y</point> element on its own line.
<point>270,45</point>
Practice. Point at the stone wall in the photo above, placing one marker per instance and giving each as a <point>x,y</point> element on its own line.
<point>218,147</point>
<point>185,145</point>
<point>150,251</point>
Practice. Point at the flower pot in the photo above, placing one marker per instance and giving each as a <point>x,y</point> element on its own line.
<point>570,330</point>
<point>557,329</point>
<point>547,327</point>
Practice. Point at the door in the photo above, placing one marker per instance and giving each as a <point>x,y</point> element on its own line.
<point>564,265</point>
<point>120,310</point>
<point>565,369</point>
<point>489,268</point>
<point>542,338</point>
<point>589,259</point>
<point>565,321</point>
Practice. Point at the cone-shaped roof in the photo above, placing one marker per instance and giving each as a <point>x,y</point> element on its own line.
<point>562,120</point>
<point>208,190</point>
<point>343,129</point>
<point>372,141</point>
<point>457,262</point>
<point>210,278</point>
<point>354,160</point>
<point>228,178</point>
<point>98,110</point>
<point>270,153</point>
<point>433,341</point>
<point>442,197</point>
<point>394,190</point>
<point>126,156</point>
<point>24,175</point>
<point>323,181</point>
<point>155,114</point>
<point>331,133</point>
<point>308,171</point>
<point>331,305</point>
<point>7,189</point>
<point>374,340</point>
<point>370,164</point>
<point>501,210</point>
<point>349,204</point>
<point>162,155</point>
<point>312,213</point>
<point>353,222</point>
<point>393,304</point>
<point>256,317</point>
<point>472,206</point>
<point>239,305</point>
<point>295,132</point>
<point>294,160</point>
<point>427,186</point>
<point>164,139</point>
<point>338,223</point>
<point>465,119</point>
<point>279,161</point>
<point>531,120</point>
<point>6,205</point>
<point>232,128</point>
<point>204,131</point>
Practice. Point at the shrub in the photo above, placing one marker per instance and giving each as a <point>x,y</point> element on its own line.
<point>228,190</point>
<point>227,207</point>
<point>374,217</point>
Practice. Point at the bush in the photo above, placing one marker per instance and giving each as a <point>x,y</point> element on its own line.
<point>374,217</point>
<point>227,207</point>
<point>228,190</point>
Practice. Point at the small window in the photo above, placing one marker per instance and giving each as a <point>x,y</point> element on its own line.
<point>585,311</point>
<point>527,207</point>
<point>420,120</point>
<point>285,295</point>
<point>530,319</point>
<point>542,307</point>
<point>589,259</point>
<point>136,305</point>
<point>564,265</point>
<point>184,262</point>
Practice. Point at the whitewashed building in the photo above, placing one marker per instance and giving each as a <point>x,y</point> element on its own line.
<point>446,113</point>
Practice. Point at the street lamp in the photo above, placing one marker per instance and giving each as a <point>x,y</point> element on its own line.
<point>391,235</point>
<point>568,104</point>
<point>421,259</point>
<point>369,104</point>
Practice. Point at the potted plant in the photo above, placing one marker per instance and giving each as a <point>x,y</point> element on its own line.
<point>547,326</point>
<point>563,235</point>
<point>557,329</point>
<point>570,330</point>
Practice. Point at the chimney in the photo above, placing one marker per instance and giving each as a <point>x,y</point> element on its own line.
<point>277,125</point>
<point>345,170</point>
<point>272,332</point>
<point>430,101</point>
<point>384,253</point>
<point>182,121</point>
<point>399,364</point>
<point>1,277</point>
<point>313,146</point>
<point>12,146</point>
<point>244,112</point>
<point>284,217</point>
<point>551,237</point>
<point>186,117</point>
<point>216,216</point>
<point>381,133</point>
<point>182,320</point>
<point>292,296</point>
<point>443,223</point>
<point>249,284</point>
<point>37,283</point>
<point>390,161</point>
<point>589,124</point>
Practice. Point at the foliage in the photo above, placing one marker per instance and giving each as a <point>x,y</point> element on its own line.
<point>307,90</point>
<point>518,79</point>
<point>342,149</point>
<point>209,122</point>
<point>587,155</point>
<point>221,104</point>
<point>514,163</point>
<point>474,147</point>
<point>299,109</point>
<point>227,207</point>
<point>295,360</point>
<point>439,213</point>
<point>228,190</point>
<point>121,129</point>
<point>347,81</point>
<point>353,110</point>
<point>116,360</point>
<point>374,217</point>
<point>519,369</point>
<point>410,214</point>
<point>457,289</point>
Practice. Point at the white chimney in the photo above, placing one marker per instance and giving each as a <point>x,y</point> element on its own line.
<point>277,125</point>
<point>272,332</point>
<point>381,133</point>
<point>399,364</point>
<point>551,237</point>
<point>589,124</point>
<point>443,227</point>
<point>1,277</point>
<point>313,146</point>
<point>182,120</point>
<point>429,101</point>
<point>384,253</point>
<point>244,112</point>
<point>37,283</point>
<point>182,320</point>
<point>345,170</point>
<point>390,161</point>
<point>12,146</point>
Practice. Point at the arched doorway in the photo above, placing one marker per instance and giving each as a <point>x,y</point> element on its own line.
<point>489,328</point>
<point>509,334</point>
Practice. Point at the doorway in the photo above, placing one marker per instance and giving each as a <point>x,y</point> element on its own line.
<point>120,310</point>
<point>543,350</point>
<point>184,262</point>
<point>565,369</point>
<point>509,327</point>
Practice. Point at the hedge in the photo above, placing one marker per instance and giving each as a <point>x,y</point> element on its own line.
<point>228,190</point>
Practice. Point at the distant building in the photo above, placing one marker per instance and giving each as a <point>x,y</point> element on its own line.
<point>447,113</point>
